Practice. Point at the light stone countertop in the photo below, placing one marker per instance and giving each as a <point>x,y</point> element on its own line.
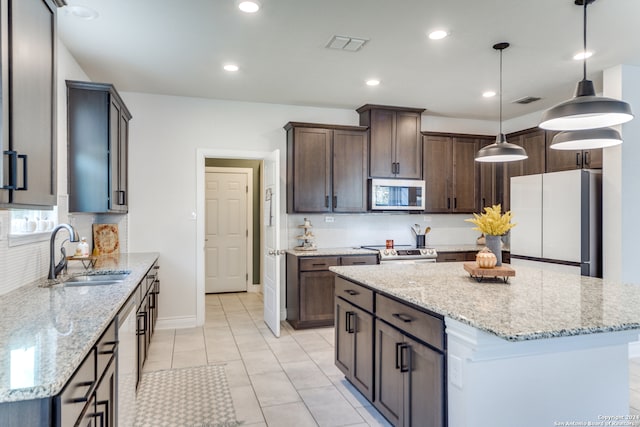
<point>534,304</point>
<point>332,252</point>
<point>45,333</point>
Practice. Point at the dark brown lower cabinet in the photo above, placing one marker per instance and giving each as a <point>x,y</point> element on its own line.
<point>409,379</point>
<point>310,287</point>
<point>354,346</point>
<point>105,396</point>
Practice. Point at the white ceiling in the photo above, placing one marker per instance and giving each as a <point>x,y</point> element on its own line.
<point>178,47</point>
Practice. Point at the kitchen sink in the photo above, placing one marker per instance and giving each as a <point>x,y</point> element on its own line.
<point>96,279</point>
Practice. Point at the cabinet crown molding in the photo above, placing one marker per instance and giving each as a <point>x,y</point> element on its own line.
<point>368,107</point>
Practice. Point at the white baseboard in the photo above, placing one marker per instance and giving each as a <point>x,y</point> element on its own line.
<point>634,349</point>
<point>178,322</point>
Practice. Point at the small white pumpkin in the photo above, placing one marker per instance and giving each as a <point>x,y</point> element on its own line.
<point>486,259</point>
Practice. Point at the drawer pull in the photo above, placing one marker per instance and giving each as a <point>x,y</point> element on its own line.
<point>113,344</point>
<point>359,262</point>
<point>352,292</point>
<point>85,398</point>
<point>319,264</point>
<point>404,317</point>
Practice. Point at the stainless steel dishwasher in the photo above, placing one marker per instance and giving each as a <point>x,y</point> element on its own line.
<point>127,364</point>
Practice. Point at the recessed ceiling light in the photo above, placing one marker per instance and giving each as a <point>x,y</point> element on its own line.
<point>373,82</point>
<point>489,94</point>
<point>231,67</point>
<point>81,12</point>
<point>438,34</point>
<point>249,6</point>
<point>582,55</point>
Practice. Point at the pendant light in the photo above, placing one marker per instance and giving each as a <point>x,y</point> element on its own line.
<point>586,139</point>
<point>586,110</point>
<point>501,150</point>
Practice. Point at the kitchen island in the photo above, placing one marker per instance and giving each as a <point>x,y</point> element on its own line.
<point>545,349</point>
<point>48,332</point>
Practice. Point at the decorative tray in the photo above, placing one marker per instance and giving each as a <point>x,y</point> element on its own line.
<point>302,248</point>
<point>87,261</point>
<point>500,273</point>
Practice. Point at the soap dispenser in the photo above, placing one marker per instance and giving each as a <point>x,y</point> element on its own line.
<point>83,248</point>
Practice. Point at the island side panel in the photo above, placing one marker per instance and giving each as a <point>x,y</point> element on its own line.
<point>499,383</point>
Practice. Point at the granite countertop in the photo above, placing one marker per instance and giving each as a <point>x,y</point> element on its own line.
<point>534,304</point>
<point>46,332</point>
<point>332,252</point>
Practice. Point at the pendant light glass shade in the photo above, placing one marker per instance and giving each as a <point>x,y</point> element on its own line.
<point>586,139</point>
<point>501,150</point>
<point>586,110</point>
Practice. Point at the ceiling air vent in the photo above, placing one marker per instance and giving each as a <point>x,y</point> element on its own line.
<point>526,100</point>
<point>350,44</point>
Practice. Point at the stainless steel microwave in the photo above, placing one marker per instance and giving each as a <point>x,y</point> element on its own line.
<point>396,195</point>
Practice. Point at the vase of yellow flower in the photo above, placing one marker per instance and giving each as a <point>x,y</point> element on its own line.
<point>493,224</point>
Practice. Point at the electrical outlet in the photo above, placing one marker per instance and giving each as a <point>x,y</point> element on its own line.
<point>329,219</point>
<point>427,219</point>
<point>455,371</point>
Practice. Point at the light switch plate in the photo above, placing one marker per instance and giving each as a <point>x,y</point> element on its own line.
<point>329,219</point>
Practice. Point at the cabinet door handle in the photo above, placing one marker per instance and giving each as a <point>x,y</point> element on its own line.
<point>448,202</point>
<point>351,292</point>
<point>326,201</point>
<point>405,349</point>
<point>24,173</point>
<point>455,203</point>
<point>143,330</point>
<point>578,159</point>
<point>483,202</point>
<point>398,168</point>
<point>404,317</point>
<point>122,197</point>
<point>587,159</point>
<point>335,201</point>
<point>393,167</point>
<point>400,356</point>
<point>13,169</point>
<point>398,344</point>
<point>350,327</point>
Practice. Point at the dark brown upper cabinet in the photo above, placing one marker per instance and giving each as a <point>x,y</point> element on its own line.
<point>326,168</point>
<point>451,173</point>
<point>98,140</point>
<point>562,160</point>
<point>28,92</point>
<point>395,147</point>
<point>533,141</point>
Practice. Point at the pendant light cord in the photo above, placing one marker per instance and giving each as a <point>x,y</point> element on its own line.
<point>501,91</point>
<point>584,41</point>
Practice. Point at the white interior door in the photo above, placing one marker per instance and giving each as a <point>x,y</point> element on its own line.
<point>226,235</point>
<point>271,227</point>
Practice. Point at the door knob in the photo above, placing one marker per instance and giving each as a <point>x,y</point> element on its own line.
<point>272,252</point>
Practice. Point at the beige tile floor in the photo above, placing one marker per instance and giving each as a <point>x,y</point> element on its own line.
<point>286,381</point>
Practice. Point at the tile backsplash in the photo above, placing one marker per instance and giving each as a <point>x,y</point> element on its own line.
<point>21,264</point>
<point>343,230</point>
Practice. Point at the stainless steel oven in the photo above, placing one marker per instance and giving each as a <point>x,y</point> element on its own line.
<point>404,254</point>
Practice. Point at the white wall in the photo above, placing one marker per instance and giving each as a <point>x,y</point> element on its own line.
<point>621,192</point>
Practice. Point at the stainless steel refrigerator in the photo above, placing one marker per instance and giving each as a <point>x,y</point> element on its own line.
<point>559,219</point>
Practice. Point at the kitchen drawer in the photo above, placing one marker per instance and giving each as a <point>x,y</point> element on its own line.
<point>78,390</point>
<point>354,293</point>
<point>318,263</point>
<point>106,348</point>
<point>359,260</point>
<point>421,325</point>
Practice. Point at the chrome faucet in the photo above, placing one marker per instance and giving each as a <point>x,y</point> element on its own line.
<point>54,269</point>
